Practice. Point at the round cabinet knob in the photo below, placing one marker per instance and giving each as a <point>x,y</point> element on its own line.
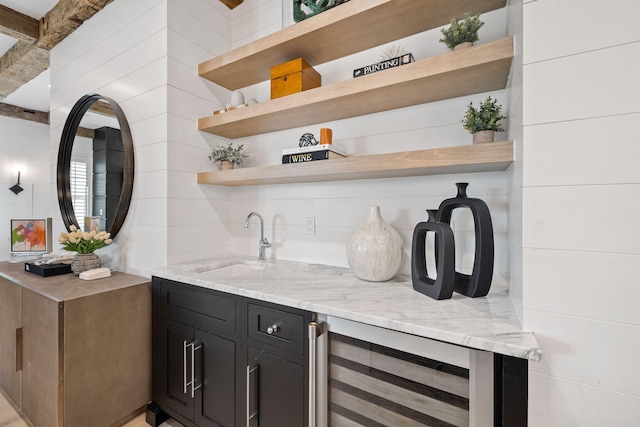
<point>271,329</point>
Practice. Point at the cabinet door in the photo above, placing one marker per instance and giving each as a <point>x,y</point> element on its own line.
<point>171,368</point>
<point>41,384</point>
<point>278,385</point>
<point>10,321</point>
<point>216,396</point>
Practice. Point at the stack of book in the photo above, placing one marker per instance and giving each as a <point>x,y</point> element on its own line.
<point>312,153</point>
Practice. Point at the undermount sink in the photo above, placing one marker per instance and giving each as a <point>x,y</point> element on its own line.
<point>228,270</point>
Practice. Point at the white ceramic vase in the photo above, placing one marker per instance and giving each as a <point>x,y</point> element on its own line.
<point>237,98</point>
<point>374,250</point>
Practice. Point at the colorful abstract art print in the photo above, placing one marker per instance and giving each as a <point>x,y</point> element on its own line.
<point>28,235</point>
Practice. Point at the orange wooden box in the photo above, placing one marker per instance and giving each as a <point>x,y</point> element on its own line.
<point>292,77</point>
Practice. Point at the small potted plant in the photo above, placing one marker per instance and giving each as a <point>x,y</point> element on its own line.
<point>228,156</point>
<point>484,121</point>
<point>462,33</point>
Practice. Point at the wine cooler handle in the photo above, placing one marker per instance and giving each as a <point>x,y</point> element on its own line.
<point>315,330</point>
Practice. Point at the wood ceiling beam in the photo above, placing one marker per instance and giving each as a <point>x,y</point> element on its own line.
<point>22,63</point>
<point>19,26</point>
<point>24,113</point>
<point>86,133</point>
<point>103,108</point>
<point>231,3</point>
<point>64,18</point>
<point>27,59</point>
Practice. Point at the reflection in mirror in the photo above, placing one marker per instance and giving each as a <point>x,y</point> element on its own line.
<point>95,166</point>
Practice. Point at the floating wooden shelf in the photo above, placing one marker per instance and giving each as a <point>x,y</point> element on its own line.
<point>474,70</point>
<point>341,31</point>
<point>491,157</point>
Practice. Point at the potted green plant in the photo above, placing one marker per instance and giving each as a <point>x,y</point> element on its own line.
<point>483,122</point>
<point>228,156</point>
<point>462,33</point>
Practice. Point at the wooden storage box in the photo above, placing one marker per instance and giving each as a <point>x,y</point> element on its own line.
<point>292,77</point>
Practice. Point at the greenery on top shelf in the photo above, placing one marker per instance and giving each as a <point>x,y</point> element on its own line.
<point>486,117</point>
<point>228,153</point>
<point>462,31</point>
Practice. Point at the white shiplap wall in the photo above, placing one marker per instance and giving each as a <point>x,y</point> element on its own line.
<point>146,59</point>
<point>122,53</point>
<point>580,211</point>
<point>197,215</point>
<point>574,172</point>
<point>339,207</point>
<point>24,147</point>
<point>514,174</point>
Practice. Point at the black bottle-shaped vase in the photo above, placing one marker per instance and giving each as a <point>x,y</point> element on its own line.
<point>441,287</point>
<point>478,283</point>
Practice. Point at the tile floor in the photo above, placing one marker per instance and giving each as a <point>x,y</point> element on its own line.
<point>10,418</point>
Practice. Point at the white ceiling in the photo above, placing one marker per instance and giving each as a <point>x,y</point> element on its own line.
<point>35,94</point>
<point>34,8</point>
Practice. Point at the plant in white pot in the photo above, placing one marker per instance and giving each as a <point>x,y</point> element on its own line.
<point>484,121</point>
<point>462,33</point>
<point>228,156</point>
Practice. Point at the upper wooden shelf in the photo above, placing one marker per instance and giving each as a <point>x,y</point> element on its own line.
<point>477,69</point>
<point>491,157</point>
<point>343,30</point>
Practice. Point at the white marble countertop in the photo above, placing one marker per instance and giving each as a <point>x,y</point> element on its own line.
<point>486,323</point>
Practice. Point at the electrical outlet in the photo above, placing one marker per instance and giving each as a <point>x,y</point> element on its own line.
<point>310,226</point>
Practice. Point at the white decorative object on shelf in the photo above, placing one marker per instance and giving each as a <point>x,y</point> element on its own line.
<point>237,98</point>
<point>374,250</point>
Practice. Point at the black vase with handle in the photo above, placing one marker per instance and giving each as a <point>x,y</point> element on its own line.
<point>442,286</point>
<point>478,283</point>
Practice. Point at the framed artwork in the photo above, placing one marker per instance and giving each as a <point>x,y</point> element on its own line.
<point>91,223</point>
<point>30,236</point>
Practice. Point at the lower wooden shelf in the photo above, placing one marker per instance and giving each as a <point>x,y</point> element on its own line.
<point>490,157</point>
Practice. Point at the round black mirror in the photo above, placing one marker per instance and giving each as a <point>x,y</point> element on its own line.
<point>106,189</point>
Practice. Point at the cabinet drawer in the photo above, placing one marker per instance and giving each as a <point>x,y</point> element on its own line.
<point>212,307</point>
<point>289,331</point>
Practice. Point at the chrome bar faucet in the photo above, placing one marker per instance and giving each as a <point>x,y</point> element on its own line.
<point>264,243</point>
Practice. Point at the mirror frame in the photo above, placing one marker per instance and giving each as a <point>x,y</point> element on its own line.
<point>64,162</point>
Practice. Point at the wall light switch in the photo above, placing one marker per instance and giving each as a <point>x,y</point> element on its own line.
<point>310,226</point>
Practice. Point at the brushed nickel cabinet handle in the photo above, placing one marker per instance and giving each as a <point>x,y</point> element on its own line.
<point>250,416</point>
<point>184,367</point>
<point>272,329</point>
<point>193,370</point>
<point>18,349</point>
